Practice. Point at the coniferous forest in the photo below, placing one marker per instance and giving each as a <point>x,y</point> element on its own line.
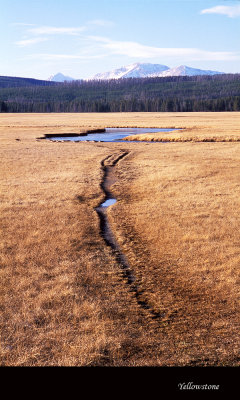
<point>171,94</point>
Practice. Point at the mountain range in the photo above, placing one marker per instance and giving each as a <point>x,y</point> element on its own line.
<point>145,70</point>
<point>141,70</point>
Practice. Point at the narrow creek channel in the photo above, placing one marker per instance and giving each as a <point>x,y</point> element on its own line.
<point>108,165</point>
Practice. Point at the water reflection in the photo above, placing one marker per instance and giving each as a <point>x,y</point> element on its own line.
<point>111,134</point>
<point>108,202</point>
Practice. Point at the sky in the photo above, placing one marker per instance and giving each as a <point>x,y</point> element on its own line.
<point>79,38</point>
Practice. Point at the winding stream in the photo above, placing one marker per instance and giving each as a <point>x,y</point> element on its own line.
<point>108,166</point>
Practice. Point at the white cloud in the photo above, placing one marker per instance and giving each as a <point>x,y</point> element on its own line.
<point>230,11</point>
<point>52,30</point>
<point>137,50</point>
<point>29,42</point>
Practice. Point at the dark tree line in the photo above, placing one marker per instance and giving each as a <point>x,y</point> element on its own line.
<point>133,105</point>
<point>176,94</point>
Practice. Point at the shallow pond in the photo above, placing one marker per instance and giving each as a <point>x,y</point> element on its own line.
<point>111,134</point>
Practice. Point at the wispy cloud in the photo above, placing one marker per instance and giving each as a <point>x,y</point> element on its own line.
<point>96,47</point>
<point>229,11</point>
<point>55,57</point>
<point>21,24</point>
<point>34,34</point>
<point>137,50</point>
<point>29,42</point>
<point>52,30</point>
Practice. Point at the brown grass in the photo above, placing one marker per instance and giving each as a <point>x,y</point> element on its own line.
<point>177,220</point>
<point>63,298</point>
<point>195,127</point>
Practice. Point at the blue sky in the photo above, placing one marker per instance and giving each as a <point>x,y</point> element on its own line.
<point>83,37</point>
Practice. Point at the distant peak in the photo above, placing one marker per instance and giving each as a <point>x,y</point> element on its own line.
<point>59,77</point>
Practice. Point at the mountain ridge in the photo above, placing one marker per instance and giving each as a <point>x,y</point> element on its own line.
<point>20,82</point>
<point>136,70</point>
<point>148,70</point>
<point>139,70</point>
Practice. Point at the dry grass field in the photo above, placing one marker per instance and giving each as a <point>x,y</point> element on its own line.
<point>64,300</point>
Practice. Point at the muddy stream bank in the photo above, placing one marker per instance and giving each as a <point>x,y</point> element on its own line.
<point>108,166</point>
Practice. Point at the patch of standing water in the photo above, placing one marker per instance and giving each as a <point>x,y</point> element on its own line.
<point>111,134</point>
<point>108,202</point>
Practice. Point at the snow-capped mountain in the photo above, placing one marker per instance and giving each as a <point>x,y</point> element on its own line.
<point>137,70</point>
<point>140,70</point>
<point>60,78</point>
<point>143,70</point>
<point>183,70</point>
